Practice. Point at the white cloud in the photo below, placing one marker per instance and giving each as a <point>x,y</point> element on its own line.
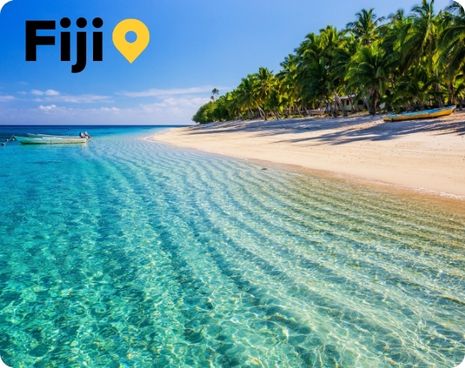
<point>48,92</point>
<point>180,103</point>
<point>159,106</point>
<point>48,108</point>
<point>110,109</point>
<point>171,110</point>
<point>6,98</point>
<point>81,99</point>
<point>73,99</point>
<point>83,112</point>
<point>54,96</point>
<point>158,92</point>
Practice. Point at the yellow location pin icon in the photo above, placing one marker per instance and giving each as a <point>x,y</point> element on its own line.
<point>131,50</point>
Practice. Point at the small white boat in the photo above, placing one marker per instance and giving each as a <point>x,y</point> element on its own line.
<point>50,139</point>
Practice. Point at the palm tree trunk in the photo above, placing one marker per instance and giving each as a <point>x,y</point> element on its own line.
<point>373,102</point>
<point>452,99</point>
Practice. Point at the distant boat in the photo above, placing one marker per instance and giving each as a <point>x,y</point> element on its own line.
<point>425,114</point>
<point>50,139</point>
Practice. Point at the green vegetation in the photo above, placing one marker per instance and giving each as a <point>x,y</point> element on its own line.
<point>402,62</point>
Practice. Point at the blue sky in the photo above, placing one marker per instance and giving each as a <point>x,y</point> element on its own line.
<point>195,46</point>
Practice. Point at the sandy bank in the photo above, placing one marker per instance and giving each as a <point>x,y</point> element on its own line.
<point>427,156</point>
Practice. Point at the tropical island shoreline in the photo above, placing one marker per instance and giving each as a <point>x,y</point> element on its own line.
<point>427,156</point>
<point>402,63</point>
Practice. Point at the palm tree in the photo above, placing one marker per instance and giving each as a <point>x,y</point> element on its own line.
<point>421,38</point>
<point>408,61</point>
<point>425,27</point>
<point>314,69</point>
<point>323,64</point>
<point>453,36</point>
<point>265,82</point>
<point>425,37</point>
<point>368,73</point>
<point>245,97</point>
<point>215,93</point>
<point>289,87</point>
<point>365,28</point>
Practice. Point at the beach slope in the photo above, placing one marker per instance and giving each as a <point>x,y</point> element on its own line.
<point>426,156</point>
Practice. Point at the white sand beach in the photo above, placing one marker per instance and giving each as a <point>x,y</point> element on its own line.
<point>427,156</point>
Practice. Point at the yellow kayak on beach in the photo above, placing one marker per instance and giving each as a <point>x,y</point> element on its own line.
<point>425,114</point>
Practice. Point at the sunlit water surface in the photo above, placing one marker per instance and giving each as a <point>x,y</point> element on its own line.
<point>130,253</point>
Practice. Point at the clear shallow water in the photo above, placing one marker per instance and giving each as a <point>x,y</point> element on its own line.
<point>128,253</point>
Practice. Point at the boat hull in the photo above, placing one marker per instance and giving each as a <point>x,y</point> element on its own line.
<point>48,139</point>
<point>426,114</point>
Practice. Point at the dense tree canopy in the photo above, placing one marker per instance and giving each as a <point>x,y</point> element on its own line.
<point>401,62</point>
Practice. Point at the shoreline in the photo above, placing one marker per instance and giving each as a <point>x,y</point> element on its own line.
<point>424,157</point>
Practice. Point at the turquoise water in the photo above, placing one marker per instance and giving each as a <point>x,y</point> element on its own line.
<point>130,253</point>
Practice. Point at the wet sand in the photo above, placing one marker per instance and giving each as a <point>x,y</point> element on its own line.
<point>427,156</point>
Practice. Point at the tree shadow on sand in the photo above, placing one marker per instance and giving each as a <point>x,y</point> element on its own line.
<point>348,129</point>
